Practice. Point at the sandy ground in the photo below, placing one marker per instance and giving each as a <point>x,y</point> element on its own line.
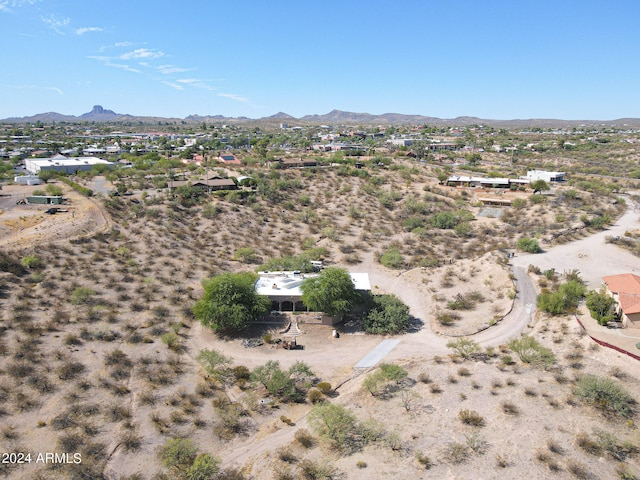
<point>433,423</point>
<point>27,225</point>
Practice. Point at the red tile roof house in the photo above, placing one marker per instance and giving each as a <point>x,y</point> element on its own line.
<point>229,159</point>
<point>625,289</point>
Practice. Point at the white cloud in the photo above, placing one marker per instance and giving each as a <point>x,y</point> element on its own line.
<point>198,83</point>
<point>108,62</point>
<point>142,53</point>
<point>55,23</point>
<point>37,87</point>
<point>123,44</point>
<point>235,97</point>
<point>169,69</point>
<point>83,30</point>
<point>173,85</point>
<point>8,5</point>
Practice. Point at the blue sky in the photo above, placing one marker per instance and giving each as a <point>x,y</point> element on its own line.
<point>500,59</point>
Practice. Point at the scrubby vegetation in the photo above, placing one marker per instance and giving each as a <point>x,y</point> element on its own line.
<point>101,353</point>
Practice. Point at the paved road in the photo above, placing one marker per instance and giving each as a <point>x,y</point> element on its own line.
<point>591,255</point>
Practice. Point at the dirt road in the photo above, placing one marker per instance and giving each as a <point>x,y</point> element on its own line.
<point>592,256</point>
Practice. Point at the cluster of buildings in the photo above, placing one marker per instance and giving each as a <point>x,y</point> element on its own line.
<point>488,182</point>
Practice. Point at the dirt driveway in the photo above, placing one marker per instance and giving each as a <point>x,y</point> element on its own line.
<point>592,256</point>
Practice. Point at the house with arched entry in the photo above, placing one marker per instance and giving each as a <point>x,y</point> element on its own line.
<point>283,288</point>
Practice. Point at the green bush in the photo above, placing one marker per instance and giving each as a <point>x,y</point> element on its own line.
<point>392,258</point>
<point>81,295</point>
<point>31,261</point>
<point>389,315</point>
<point>335,424</point>
<point>465,347</point>
<point>527,244</point>
<point>606,395</point>
<point>532,352</point>
<point>601,306</point>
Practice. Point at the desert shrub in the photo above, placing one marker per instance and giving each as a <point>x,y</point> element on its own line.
<point>389,315</point>
<point>527,244</point>
<point>424,460</point>
<point>551,302</point>
<point>311,470</point>
<point>172,341</point>
<point>447,319</point>
<point>81,295</point>
<point>465,347</point>
<point>314,395</point>
<point>465,301</point>
<point>31,261</point>
<point>619,449</point>
<point>304,438</point>
<point>178,454</point>
<point>217,365</point>
<point>324,387</point>
<point>204,467</point>
<point>606,395</point>
<point>471,417</point>
<point>392,372</point>
<point>625,472</point>
<point>335,424</point>
<point>455,452</point>
<point>601,306</point>
<point>70,370</point>
<point>392,258</point>
<point>530,351</point>
<point>510,408</point>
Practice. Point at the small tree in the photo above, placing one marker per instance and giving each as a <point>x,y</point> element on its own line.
<point>601,306</point>
<point>333,423</point>
<point>332,292</point>
<point>465,347</point>
<point>215,364</point>
<point>204,467</point>
<point>31,261</point>
<point>230,302</point>
<point>540,186</point>
<point>387,316</point>
<point>178,454</point>
<point>527,244</point>
<point>532,352</point>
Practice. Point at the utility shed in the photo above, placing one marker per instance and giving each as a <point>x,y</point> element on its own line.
<point>45,200</point>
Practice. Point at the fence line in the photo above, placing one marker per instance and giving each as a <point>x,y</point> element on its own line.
<point>608,345</point>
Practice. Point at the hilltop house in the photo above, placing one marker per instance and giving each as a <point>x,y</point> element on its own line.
<point>208,184</point>
<point>625,289</point>
<point>283,288</point>
<point>229,159</point>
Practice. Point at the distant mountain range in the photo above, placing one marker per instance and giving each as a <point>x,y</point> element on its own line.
<point>99,114</point>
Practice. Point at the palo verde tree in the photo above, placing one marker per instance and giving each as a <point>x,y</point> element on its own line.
<point>230,302</point>
<point>388,314</point>
<point>539,186</point>
<point>331,292</point>
<point>601,306</point>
